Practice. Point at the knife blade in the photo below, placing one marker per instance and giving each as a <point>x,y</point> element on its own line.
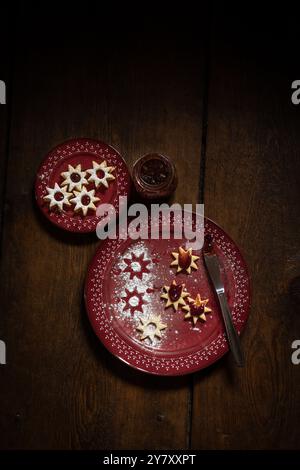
<point>213,267</point>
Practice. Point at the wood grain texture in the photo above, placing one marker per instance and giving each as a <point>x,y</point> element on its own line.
<point>252,182</point>
<point>81,75</point>
<point>5,68</point>
<point>139,86</point>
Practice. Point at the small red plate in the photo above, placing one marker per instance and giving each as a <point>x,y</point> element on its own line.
<point>124,283</point>
<point>84,152</point>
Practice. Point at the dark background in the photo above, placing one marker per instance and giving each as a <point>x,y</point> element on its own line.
<point>212,89</point>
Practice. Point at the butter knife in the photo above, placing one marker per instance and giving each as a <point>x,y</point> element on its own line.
<point>213,267</point>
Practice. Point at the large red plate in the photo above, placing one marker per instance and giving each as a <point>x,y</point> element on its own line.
<point>73,152</point>
<point>183,348</point>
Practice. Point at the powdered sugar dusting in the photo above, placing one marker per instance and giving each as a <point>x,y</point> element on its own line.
<point>120,293</point>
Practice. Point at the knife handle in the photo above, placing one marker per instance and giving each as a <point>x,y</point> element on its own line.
<point>233,338</point>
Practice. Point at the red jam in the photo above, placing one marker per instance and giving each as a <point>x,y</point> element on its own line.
<point>154,176</point>
<point>155,171</point>
<point>85,200</point>
<point>75,177</point>
<point>100,174</point>
<point>196,310</point>
<point>175,292</point>
<point>58,196</point>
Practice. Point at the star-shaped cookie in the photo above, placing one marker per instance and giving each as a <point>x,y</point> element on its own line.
<point>174,295</point>
<point>184,260</point>
<point>151,327</point>
<point>74,178</point>
<point>84,200</point>
<point>196,309</point>
<point>101,174</point>
<point>57,197</point>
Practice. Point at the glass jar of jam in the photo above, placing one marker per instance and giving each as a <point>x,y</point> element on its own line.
<point>154,177</point>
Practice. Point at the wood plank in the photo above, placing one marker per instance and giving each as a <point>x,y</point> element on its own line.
<point>138,87</point>
<point>252,182</point>
<point>5,65</point>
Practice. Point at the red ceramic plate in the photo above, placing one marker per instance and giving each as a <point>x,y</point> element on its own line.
<point>84,152</point>
<point>124,283</point>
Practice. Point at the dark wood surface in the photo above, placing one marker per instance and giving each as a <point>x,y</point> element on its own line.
<point>221,109</point>
<point>5,68</point>
<point>252,186</point>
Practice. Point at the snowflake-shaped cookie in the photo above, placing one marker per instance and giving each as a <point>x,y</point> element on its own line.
<point>100,174</point>
<point>151,327</point>
<point>57,197</point>
<point>134,300</point>
<point>136,266</point>
<point>74,178</point>
<point>84,200</point>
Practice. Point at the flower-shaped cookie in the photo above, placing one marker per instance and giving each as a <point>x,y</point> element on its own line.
<point>184,260</point>
<point>174,295</point>
<point>196,309</point>
<point>151,327</point>
<point>84,200</point>
<point>100,174</point>
<point>57,197</point>
<point>74,178</point>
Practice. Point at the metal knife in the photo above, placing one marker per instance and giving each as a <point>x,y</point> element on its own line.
<point>213,267</point>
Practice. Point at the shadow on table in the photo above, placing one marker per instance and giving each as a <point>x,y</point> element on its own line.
<point>225,366</point>
<point>116,367</point>
<point>68,238</point>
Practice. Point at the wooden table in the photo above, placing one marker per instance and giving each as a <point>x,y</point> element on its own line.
<point>213,92</point>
